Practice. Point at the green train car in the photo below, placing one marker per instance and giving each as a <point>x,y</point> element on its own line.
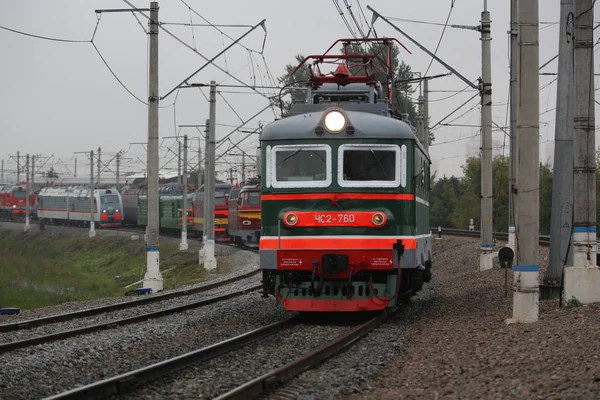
<point>345,194</point>
<point>169,209</point>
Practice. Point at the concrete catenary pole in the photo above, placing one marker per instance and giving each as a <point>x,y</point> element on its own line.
<point>486,247</point>
<point>2,173</point>
<point>183,246</point>
<point>179,162</point>
<point>18,166</point>
<point>582,280</point>
<point>243,169</point>
<point>26,228</point>
<point>153,278</point>
<point>514,103</point>
<point>118,168</point>
<point>199,172</point>
<point>75,170</point>
<point>526,270</point>
<point>92,224</point>
<point>426,114</point>
<point>202,252</point>
<point>562,175</point>
<point>32,182</point>
<point>210,262</point>
<point>99,167</point>
<point>420,112</point>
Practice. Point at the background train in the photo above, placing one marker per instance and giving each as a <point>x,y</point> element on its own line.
<point>244,225</point>
<point>13,201</point>
<point>237,211</point>
<point>345,193</point>
<point>72,206</point>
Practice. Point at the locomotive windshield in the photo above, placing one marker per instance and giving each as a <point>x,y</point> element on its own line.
<point>253,198</point>
<point>19,194</point>
<point>370,166</point>
<point>220,200</point>
<point>110,199</point>
<point>301,165</point>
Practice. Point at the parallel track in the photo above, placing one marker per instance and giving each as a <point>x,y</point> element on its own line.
<point>125,321</point>
<point>120,306</point>
<point>544,240</point>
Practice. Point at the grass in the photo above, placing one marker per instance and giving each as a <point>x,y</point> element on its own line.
<point>38,270</point>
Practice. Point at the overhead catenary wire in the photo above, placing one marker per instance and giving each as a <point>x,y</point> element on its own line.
<point>442,35</point>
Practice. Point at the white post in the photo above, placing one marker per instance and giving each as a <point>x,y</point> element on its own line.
<point>26,228</point>
<point>92,223</point>
<point>183,246</point>
<point>582,280</point>
<point>486,247</point>
<point>153,278</point>
<point>210,262</point>
<point>202,252</point>
<point>526,269</point>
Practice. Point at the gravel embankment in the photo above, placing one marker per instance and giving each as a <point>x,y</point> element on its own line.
<point>44,370</point>
<point>225,373</point>
<point>460,346</point>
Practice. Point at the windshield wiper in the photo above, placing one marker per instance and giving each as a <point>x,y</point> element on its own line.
<point>380,164</point>
<point>290,156</point>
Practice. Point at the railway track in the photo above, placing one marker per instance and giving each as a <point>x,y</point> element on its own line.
<point>544,240</point>
<point>125,383</point>
<point>4,347</point>
<point>27,324</point>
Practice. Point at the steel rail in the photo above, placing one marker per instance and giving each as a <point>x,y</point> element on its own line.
<point>121,383</point>
<point>260,385</point>
<point>4,347</point>
<point>544,240</point>
<point>27,324</point>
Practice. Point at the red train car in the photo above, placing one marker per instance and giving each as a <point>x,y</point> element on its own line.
<point>13,201</point>
<point>244,216</point>
<point>222,191</point>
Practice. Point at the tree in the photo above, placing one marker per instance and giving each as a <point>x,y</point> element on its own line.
<point>446,194</point>
<point>401,99</point>
<point>301,76</point>
<point>51,173</point>
<point>545,198</point>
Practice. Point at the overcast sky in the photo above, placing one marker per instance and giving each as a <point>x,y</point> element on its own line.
<point>58,98</point>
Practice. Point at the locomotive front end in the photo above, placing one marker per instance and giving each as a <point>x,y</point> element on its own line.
<point>341,227</point>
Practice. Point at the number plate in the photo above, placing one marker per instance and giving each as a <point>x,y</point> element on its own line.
<point>340,218</point>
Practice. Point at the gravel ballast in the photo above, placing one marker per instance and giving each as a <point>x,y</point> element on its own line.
<point>47,369</point>
<point>460,346</point>
<point>228,371</point>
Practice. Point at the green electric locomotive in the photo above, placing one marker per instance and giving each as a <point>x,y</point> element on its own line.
<point>345,194</point>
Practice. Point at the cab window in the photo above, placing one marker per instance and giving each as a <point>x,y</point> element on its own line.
<point>300,166</point>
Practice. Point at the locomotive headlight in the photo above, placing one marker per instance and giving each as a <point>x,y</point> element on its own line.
<point>291,219</point>
<point>378,219</point>
<point>335,121</point>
